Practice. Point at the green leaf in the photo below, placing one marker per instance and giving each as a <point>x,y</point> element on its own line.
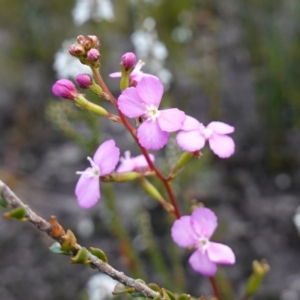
<point>260,270</point>
<point>99,253</point>
<point>167,295</point>
<point>120,288</point>
<point>155,287</point>
<point>184,297</point>
<point>56,248</point>
<point>82,257</point>
<point>18,213</point>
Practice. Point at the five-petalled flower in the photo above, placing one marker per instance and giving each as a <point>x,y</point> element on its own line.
<point>193,135</point>
<point>143,101</point>
<point>103,163</point>
<point>195,231</point>
<point>129,163</point>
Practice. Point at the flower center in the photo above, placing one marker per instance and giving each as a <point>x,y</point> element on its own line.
<point>94,171</point>
<point>152,113</point>
<point>203,244</point>
<point>206,132</point>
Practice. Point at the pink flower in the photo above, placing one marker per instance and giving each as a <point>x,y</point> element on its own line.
<point>129,164</point>
<point>143,101</point>
<point>103,163</point>
<point>195,231</point>
<point>193,135</point>
<point>135,75</point>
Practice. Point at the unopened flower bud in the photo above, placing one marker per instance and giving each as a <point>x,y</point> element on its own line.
<point>128,60</point>
<point>87,44</point>
<point>76,50</point>
<point>84,81</point>
<point>80,39</point>
<point>64,88</point>
<point>93,55</point>
<point>94,40</point>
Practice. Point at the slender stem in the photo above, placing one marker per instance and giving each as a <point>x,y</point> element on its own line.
<point>12,200</point>
<point>132,131</point>
<point>215,288</point>
<point>104,87</point>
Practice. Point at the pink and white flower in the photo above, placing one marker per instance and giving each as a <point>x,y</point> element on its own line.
<point>103,163</point>
<point>129,163</point>
<point>195,231</point>
<point>193,135</point>
<point>143,101</point>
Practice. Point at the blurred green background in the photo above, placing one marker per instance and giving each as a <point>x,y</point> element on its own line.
<point>235,61</point>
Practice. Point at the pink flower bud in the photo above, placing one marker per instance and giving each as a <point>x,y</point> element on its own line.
<point>128,60</point>
<point>76,50</point>
<point>94,40</point>
<point>93,55</point>
<point>64,88</point>
<point>80,39</point>
<point>84,81</point>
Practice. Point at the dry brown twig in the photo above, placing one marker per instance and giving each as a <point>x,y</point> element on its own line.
<point>12,200</point>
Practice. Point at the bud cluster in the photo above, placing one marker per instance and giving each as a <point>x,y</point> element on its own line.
<point>87,50</point>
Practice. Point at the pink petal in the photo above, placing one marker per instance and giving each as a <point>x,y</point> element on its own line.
<point>201,263</point>
<point>107,157</point>
<point>190,123</point>
<point>183,233</point>
<point>171,120</point>
<point>221,145</point>
<point>87,191</point>
<point>220,254</point>
<point>190,140</point>
<point>140,161</point>
<point>130,103</point>
<point>115,75</point>
<point>136,76</point>
<point>204,222</point>
<point>151,136</point>
<point>220,127</point>
<point>127,165</point>
<point>150,90</point>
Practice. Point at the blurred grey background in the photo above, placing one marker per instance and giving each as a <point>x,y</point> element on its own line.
<point>235,61</point>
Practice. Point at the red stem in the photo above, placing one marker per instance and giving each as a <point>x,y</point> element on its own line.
<point>215,288</point>
<point>132,131</point>
<point>162,178</point>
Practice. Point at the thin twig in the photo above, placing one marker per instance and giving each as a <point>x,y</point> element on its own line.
<point>11,199</point>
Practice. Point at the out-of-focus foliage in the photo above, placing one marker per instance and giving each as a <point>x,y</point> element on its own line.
<point>232,60</point>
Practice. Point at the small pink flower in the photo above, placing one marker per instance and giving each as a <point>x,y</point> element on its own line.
<point>143,101</point>
<point>136,74</point>
<point>193,135</point>
<point>103,163</point>
<point>195,231</point>
<point>129,163</point>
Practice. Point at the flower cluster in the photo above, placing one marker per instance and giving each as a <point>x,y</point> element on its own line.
<point>140,99</point>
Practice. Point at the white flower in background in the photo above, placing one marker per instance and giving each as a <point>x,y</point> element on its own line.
<point>97,10</point>
<point>67,66</point>
<point>150,49</point>
<point>296,219</point>
<point>100,287</point>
